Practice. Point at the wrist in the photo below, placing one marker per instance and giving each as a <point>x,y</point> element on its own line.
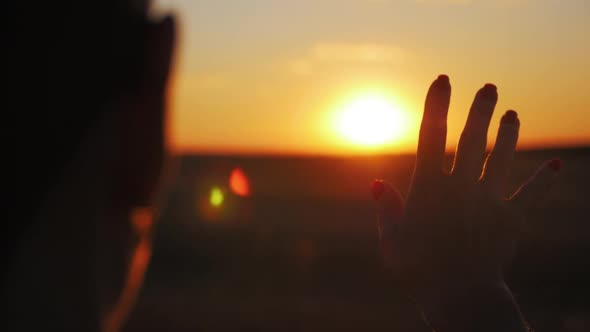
<point>480,307</point>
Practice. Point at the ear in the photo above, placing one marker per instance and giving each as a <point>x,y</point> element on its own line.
<point>160,40</point>
<point>142,133</point>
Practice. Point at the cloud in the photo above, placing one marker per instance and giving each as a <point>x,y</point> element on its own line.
<point>446,2</point>
<point>500,3</point>
<point>364,52</point>
<point>332,53</point>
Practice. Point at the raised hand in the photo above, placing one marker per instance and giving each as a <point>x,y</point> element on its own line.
<point>448,242</point>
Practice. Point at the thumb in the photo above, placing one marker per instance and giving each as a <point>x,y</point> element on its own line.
<point>390,208</point>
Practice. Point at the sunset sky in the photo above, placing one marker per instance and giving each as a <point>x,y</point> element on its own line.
<point>267,76</point>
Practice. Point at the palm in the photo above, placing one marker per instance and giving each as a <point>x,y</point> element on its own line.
<point>452,234</point>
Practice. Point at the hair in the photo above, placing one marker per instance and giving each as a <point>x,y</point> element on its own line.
<point>63,61</point>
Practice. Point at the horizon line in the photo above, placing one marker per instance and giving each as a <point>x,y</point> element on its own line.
<point>287,154</point>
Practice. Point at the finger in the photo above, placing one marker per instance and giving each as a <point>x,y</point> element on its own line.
<point>472,144</point>
<point>537,185</point>
<point>500,160</point>
<point>390,207</point>
<point>433,131</point>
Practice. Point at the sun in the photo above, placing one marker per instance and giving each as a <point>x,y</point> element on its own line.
<point>371,121</point>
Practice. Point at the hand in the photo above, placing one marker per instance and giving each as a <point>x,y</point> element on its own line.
<point>448,242</point>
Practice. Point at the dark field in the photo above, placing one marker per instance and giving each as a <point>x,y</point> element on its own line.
<point>300,254</point>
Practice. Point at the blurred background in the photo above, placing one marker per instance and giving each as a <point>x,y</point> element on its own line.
<point>280,76</point>
<point>290,244</point>
<point>282,114</point>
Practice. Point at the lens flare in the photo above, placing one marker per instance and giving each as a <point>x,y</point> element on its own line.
<point>216,197</point>
<point>239,183</point>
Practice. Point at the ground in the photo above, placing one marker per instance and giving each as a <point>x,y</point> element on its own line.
<point>300,254</point>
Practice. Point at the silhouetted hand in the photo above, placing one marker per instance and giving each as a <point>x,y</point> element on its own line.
<point>448,242</point>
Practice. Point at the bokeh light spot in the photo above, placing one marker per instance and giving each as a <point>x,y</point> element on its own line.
<point>216,197</point>
<point>239,183</point>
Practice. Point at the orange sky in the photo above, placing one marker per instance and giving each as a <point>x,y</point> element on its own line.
<point>258,76</point>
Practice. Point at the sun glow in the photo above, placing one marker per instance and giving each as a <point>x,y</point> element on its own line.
<point>371,121</point>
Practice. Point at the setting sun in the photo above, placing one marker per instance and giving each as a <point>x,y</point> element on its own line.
<point>371,121</point>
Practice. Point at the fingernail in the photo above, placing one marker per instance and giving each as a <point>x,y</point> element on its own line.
<point>377,189</point>
<point>442,81</point>
<point>556,164</point>
<point>443,78</point>
<point>489,91</point>
<point>509,117</point>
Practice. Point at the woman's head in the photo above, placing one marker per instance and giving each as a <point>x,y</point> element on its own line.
<point>85,147</point>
